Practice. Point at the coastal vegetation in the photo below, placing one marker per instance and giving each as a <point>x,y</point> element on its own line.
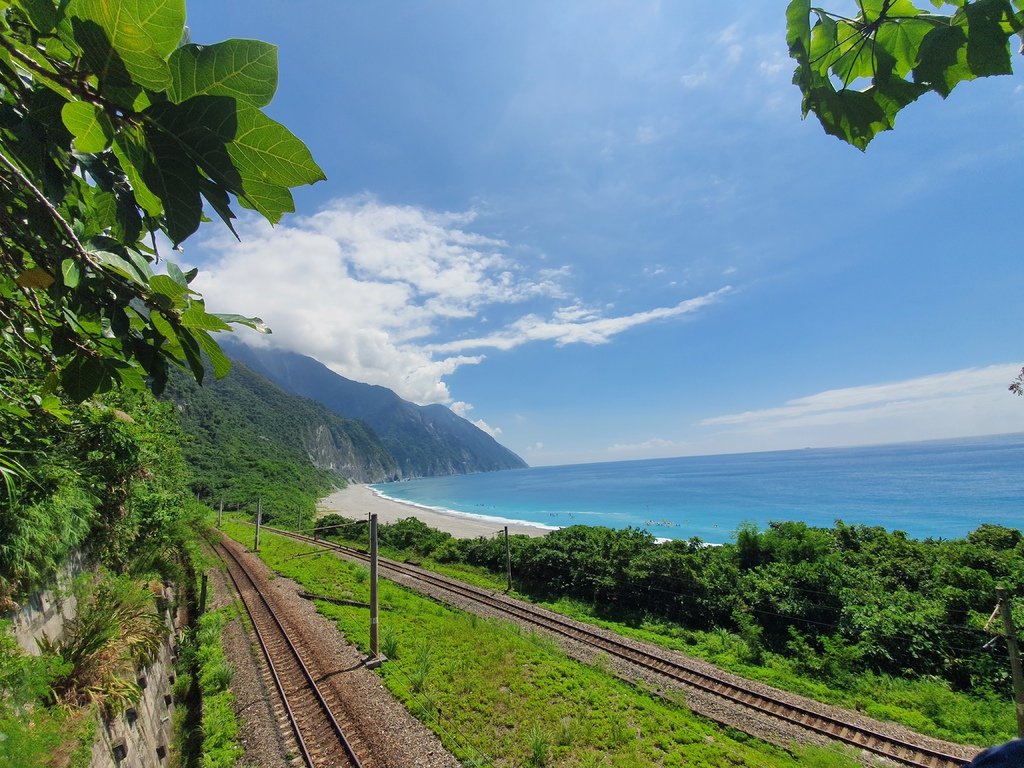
<point>246,440</point>
<point>852,615</point>
<point>497,694</point>
<point>115,131</point>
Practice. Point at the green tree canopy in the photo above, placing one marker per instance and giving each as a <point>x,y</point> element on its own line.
<point>857,71</point>
<point>114,128</point>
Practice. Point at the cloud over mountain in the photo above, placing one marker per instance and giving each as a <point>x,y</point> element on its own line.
<point>397,295</point>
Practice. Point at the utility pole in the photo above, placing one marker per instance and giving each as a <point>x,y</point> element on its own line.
<point>1006,609</point>
<point>298,520</point>
<point>259,522</point>
<point>374,639</point>
<point>508,562</point>
<point>202,595</point>
<point>220,514</point>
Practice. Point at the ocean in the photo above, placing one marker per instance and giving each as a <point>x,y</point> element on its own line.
<point>937,489</point>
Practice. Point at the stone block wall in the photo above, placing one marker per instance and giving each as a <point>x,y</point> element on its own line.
<point>140,737</point>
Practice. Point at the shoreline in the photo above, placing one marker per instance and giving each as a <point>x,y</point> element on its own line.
<point>356,501</point>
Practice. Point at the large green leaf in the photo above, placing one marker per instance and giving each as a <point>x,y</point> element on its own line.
<point>200,129</point>
<point>943,60</point>
<point>988,47</point>
<point>265,151</point>
<point>89,125</point>
<point>218,199</point>
<point>41,13</point>
<point>132,37</point>
<point>134,158</point>
<point>173,177</point>
<point>168,286</point>
<point>859,56</point>
<point>220,361</point>
<point>245,70</point>
<point>84,376</point>
<point>903,41</point>
<point>197,318</point>
<point>120,266</point>
<point>270,200</point>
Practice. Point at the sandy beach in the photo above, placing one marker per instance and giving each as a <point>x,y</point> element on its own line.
<point>356,501</point>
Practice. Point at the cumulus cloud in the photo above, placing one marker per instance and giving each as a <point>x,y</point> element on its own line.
<point>358,284</point>
<point>462,409</point>
<point>377,291</point>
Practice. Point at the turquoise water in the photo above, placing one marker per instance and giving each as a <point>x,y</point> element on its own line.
<point>941,489</point>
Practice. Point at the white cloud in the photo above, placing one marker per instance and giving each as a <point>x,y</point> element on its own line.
<point>656,447</point>
<point>358,284</point>
<point>494,432</point>
<point>729,40</point>
<point>461,409</point>
<point>970,401</point>
<point>377,291</point>
<point>576,325</point>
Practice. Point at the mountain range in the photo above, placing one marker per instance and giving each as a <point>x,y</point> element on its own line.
<point>424,440</point>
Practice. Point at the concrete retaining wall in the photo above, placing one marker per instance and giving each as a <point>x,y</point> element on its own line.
<point>140,737</point>
<point>46,612</point>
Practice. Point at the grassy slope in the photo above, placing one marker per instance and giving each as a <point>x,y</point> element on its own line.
<point>249,439</point>
<point>497,694</point>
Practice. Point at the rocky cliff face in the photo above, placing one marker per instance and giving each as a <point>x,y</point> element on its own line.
<point>327,449</point>
<point>424,440</point>
<point>245,422</point>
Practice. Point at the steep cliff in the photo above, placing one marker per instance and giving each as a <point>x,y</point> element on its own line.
<point>424,440</point>
<point>245,432</point>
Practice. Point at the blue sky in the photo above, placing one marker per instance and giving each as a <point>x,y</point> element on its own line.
<point>602,231</point>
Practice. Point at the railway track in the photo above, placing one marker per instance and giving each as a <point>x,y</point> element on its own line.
<point>833,727</point>
<point>319,735</point>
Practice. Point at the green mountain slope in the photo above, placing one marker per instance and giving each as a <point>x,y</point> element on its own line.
<point>249,439</point>
<point>425,440</point>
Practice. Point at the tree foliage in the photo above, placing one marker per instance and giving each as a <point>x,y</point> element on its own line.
<point>836,602</point>
<point>857,71</point>
<point>113,129</point>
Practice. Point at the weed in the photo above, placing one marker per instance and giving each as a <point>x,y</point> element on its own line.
<point>603,663</point>
<point>618,733</point>
<point>389,644</point>
<point>215,677</point>
<point>116,628</point>
<point>565,732</point>
<point>540,746</point>
<point>421,669</point>
<point>593,760</point>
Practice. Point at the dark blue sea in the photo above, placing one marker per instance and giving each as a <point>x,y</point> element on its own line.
<point>938,489</point>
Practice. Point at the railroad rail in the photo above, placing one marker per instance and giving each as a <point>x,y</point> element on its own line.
<point>825,724</point>
<point>320,738</point>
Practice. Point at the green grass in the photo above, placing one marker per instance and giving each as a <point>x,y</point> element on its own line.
<point>927,706</point>
<point>32,733</point>
<point>206,723</point>
<point>500,695</point>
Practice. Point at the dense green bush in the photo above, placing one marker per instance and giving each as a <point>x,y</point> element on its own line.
<point>836,602</point>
